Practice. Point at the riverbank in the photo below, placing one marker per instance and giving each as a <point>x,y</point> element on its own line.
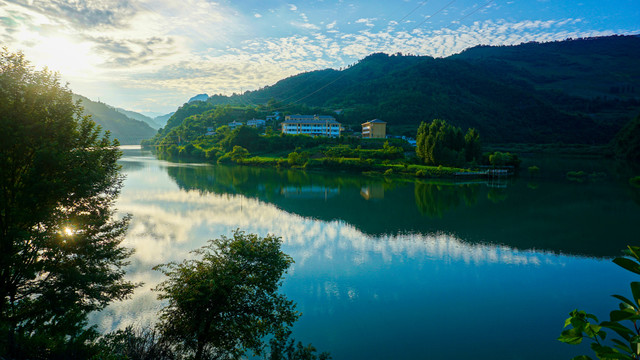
<point>401,167</point>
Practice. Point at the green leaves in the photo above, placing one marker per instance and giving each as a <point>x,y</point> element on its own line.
<point>226,301</point>
<point>56,170</point>
<point>628,264</point>
<point>628,313</point>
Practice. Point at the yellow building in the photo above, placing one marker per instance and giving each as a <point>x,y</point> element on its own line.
<point>374,129</point>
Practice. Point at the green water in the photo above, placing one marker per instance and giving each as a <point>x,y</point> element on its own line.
<point>390,268</point>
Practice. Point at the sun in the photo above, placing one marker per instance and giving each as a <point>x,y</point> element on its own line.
<point>63,55</point>
<point>68,231</point>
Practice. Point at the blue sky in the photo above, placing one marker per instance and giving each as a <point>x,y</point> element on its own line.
<point>153,55</point>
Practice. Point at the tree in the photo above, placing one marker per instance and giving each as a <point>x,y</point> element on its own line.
<point>223,303</point>
<point>439,143</point>
<point>472,146</point>
<point>60,246</point>
<point>239,153</point>
<point>626,346</point>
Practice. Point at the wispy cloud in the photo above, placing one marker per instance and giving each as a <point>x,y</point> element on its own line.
<point>182,47</point>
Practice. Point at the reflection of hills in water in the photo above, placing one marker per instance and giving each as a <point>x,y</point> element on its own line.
<point>588,219</point>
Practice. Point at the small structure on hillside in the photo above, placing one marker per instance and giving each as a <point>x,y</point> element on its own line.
<point>234,124</point>
<point>256,123</point>
<point>374,129</point>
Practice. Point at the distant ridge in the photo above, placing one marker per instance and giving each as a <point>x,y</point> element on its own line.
<point>162,119</point>
<point>128,131</point>
<point>199,97</point>
<point>140,117</point>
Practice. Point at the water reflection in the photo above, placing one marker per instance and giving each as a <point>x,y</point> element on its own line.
<point>390,269</point>
<point>167,225</point>
<point>434,199</point>
<point>555,216</point>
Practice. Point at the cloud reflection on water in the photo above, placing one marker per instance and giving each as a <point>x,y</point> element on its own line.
<point>168,224</point>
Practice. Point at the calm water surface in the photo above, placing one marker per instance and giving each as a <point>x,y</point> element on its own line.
<point>394,269</point>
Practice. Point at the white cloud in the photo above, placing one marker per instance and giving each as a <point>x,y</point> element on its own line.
<point>305,25</point>
<point>172,48</point>
<point>367,22</point>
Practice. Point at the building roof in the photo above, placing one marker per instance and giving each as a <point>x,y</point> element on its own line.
<point>310,121</point>
<point>375,121</point>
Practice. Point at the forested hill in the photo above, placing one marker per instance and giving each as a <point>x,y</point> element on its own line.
<point>123,128</point>
<point>573,91</point>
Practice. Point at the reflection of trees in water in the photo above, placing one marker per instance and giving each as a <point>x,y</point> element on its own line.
<point>435,199</point>
<point>497,195</point>
<point>263,183</point>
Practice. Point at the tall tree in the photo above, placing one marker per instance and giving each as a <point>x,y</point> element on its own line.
<point>472,145</point>
<point>439,143</point>
<point>226,301</point>
<point>60,246</point>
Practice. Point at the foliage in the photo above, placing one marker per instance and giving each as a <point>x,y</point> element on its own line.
<point>498,158</point>
<point>225,302</point>
<point>439,143</point>
<point>622,322</point>
<point>627,142</point>
<point>60,246</point>
<point>298,159</point>
<point>238,153</point>
<point>134,343</point>
<point>285,348</point>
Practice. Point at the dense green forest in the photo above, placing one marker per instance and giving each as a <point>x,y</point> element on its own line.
<point>121,126</point>
<point>572,91</point>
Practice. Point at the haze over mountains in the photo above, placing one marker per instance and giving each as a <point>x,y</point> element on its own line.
<point>125,129</point>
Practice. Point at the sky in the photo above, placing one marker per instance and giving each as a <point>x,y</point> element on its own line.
<point>151,56</point>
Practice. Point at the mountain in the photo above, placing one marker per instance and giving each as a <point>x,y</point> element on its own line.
<point>140,117</point>
<point>162,119</point>
<point>199,97</point>
<point>128,131</point>
<point>572,91</point>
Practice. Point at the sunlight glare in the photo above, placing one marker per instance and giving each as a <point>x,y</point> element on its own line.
<point>65,56</point>
<point>68,231</point>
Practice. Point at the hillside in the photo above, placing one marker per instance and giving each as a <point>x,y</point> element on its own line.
<point>137,116</point>
<point>128,131</point>
<point>162,119</point>
<point>573,91</point>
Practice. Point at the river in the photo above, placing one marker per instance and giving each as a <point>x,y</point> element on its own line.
<point>398,269</point>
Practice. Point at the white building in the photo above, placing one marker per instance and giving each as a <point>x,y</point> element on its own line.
<point>234,124</point>
<point>256,123</point>
<point>314,125</point>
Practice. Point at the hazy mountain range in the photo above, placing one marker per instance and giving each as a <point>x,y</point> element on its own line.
<point>122,127</point>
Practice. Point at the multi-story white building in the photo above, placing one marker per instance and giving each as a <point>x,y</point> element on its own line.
<point>314,125</point>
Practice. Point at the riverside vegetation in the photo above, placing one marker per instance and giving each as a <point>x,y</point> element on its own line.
<point>443,149</point>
